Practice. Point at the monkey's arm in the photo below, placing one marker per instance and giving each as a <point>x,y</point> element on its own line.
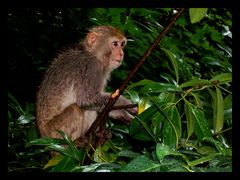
<point>98,102</point>
<point>120,114</point>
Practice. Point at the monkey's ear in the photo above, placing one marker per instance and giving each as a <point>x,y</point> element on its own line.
<point>91,38</point>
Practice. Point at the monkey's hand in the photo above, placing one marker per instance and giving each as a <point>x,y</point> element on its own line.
<point>124,115</point>
<point>124,101</point>
<point>121,115</point>
<point>81,142</point>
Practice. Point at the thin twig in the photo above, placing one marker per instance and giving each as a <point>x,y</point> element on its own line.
<point>124,106</point>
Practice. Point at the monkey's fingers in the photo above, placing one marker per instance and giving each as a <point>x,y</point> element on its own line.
<point>127,118</point>
<point>133,111</point>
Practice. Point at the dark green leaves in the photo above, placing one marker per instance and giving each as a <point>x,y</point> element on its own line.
<point>173,61</point>
<point>190,121</point>
<point>64,146</point>
<point>163,150</point>
<point>154,87</point>
<point>222,78</point>
<point>183,90</point>
<point>218,111</point>
<point>202,129</point>
<point>195,82</point>
<point>140,164</point>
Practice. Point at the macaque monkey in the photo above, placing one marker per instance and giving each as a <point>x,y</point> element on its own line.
<point>72,91</point>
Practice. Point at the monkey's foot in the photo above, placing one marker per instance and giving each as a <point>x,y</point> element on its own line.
<point>81,142</point>
<point>103,136</point>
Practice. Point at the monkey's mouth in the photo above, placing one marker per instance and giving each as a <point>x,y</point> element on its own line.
<point>118,60</point>
<point>116,63</point>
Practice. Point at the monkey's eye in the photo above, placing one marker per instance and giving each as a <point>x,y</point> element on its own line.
<point>123,44</point>
<point>115,43</point>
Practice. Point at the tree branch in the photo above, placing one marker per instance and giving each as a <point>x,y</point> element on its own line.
<point>101,119</point>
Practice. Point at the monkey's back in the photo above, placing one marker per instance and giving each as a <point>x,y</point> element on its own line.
<point>64,84</point>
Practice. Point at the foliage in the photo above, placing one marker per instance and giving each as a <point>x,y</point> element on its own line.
<point>21,130</point>
<point>183,91</point>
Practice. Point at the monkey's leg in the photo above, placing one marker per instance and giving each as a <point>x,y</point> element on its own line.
<point>73,121</point>
<point>70,121</point>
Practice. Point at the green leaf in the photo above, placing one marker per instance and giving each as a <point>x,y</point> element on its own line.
<point>136,130</point>
<point>220,146</point>
<point>58,145</point>
<point>196,14</point>
<point>203,160</point>
<point>24,119</point>
<point>32,133</point>
<point>159,87</point>
<point>143,104</point>
<point>13,103</point>
<point>154,87</point>
<point>172,129</point>
<point>45,142</point>
<point>194,82</point>
<point>173,60</point>
<point>101,153</point>
<point>198,101</point>
<point>128,153</point>
<point>190,121</point>
<point>75,152</point>
<point>134,96</point>
<point>227,66</point>
<point>168,135</point>
<point>218,111</point>
<point>163,150</point>
<point>168,78</point>
<point>143,82</point>
<point>140,164</point>
<point>97,167</point>
<point>216,35</point>
<point>165,97</point>
<point>222,78</point>
<point>61,149</point>
<point>146,127</point>
<point>157,121</point>
<point>201,125</point>
<point>174,116</point>
<point>206,150</point>
<point>65,165</point>
<point>53,161</point>
<point>142,135</point>
<point>228,102</point>
<point>213,169</point>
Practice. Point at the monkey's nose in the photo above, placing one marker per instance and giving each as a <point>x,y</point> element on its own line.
<point>121,53</point>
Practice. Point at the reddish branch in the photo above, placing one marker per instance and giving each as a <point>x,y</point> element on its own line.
<point>101,119</point>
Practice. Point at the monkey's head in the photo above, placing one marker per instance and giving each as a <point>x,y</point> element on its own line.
<point>106,43</point>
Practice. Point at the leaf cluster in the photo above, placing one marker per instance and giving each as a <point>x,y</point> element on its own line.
<point>183,91</point>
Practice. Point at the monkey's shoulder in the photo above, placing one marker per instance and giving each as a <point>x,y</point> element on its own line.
<point>72,58</point>
<point>75,62</point>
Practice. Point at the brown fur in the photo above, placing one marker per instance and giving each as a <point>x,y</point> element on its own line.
<point>74,82</point>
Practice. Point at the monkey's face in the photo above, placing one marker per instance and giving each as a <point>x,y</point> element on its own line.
<point>117,46</point>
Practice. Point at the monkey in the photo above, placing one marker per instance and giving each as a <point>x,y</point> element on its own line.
<point>71,93</point>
